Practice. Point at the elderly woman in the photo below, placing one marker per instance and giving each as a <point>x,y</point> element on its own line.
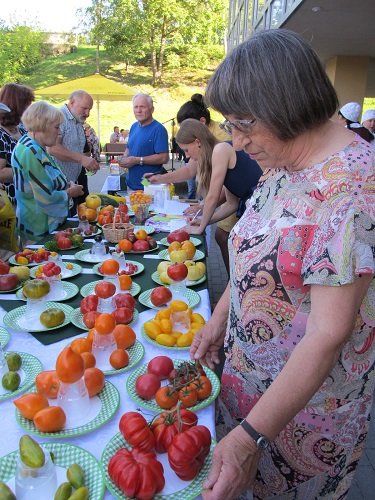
<point>298,380</point>
<point>18,98</point>
<point>42,191</point>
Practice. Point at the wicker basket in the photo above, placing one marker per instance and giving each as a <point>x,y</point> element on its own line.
<point>116,232</point>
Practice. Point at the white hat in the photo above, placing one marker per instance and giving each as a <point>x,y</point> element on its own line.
<point>351,111</point>
<point>368,115</point>
<point>4,108</point>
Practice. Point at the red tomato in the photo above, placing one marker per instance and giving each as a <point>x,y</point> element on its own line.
<point>166,397</point>
<point>105,289</point>
<point>89,318</point>
<point>177,271</point>
<point>4,267</point>
<point>64,243</point>
<point>29,404</point>
<point>89,303</point>
<point>47,383</point>
<point>178,235</point>
<point>161,366</point>
<point>188,395</point>
<point>123,315</point>
<point>188,451</point>
<point>124,300</point>
<point>203,386</point>
<point>137,473</point>
<point>160,296</point>
<point>146,385</point>
<point>134,427</point>
<point>166,425</point>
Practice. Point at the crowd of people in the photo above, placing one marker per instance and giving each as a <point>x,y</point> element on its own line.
<point>296,321</point>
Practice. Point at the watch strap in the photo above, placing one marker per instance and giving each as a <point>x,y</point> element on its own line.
<point>260,441</point>
<point>141,160</point>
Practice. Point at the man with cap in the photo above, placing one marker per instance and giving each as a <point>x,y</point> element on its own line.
<point>368,120</point>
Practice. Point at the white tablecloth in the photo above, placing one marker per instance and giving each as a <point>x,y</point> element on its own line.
<point>95,442</point>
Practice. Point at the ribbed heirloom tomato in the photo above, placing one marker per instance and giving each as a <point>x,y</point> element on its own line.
<point>134,427</point>
<point>167,424</point>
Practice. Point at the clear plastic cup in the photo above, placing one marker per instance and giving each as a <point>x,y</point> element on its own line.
<point>180,321</point>
<point>56,290</point>
<point>179,290</point>
<point>74,400</point>
<point>36,483</point>
<point>102,348</point>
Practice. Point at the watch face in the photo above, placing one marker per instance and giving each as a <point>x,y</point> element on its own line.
<point>262,443</point>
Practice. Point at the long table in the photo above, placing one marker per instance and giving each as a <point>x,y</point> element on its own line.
<point>46,346</point>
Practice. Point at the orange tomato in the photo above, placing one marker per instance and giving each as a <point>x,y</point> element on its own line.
<point>81,345</point>
<point>47,383</point>
<point>94,380</point>
<point>110,266</point>
<point>90,335</point>
<point>188,396</point>
<point>88,359</point>
<point>141,234</point>
<point>125,282</point>
<point>69,366</point>
<point>29,404</point>
<point>105,323</point>
<point>125,245</point>
<point>124,335</point>
<point>166,397</point>
<point>51,419</point>
<point>119,358</point>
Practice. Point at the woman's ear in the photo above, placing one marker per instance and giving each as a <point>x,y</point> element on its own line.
<point>198,142</point>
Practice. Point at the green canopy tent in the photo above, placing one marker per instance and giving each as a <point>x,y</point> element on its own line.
<point>98,86</point>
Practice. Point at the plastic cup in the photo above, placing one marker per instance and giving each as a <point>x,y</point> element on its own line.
<point>74,400</point>
<point>140,212</point>
<point>179,290</point>
<point>34,308</point>
<point>102,348</point>
<point>36,483</point>
<point>180,321</point>
<point>56,291</point>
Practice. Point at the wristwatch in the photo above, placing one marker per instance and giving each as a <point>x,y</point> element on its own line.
<point>141,160</point>
<point>261,441</point>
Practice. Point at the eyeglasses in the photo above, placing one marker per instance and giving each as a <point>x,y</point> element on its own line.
<point>241,125</point>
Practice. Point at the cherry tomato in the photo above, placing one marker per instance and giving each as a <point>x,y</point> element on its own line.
<point>203,386</point>
<point>69,366</point>
<point>29,404</point>
<point>188,396</point>
<point>51,419</point>
<point>94,380</point>
<point>166,397</point>
<point>47,383</point>
<point>105,289</point>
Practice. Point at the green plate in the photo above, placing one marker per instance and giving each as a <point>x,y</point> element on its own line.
<point>151,404</point>
<point>31,367</point>
<point>142,252</point>
<point>196,242</point>
<point>13,317</point>
<point>148,229</point>
<point>4,337</point>
<point>136,353</point>
<point>20,284</point>
<point>64,455</point>
<point>156,277</point>
<point>76,318</point>
<point>68,273</point>
<point>163,254</point>
<point>85,256</point>
<point>153,342</point>
<point>188,491</point>
<point>110,402</point>
<point>70,290</point>
<point>88,289</point>
<point>193,298</point>
<point>141,267</point>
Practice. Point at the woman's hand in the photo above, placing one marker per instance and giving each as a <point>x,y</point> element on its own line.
<point>153,178</point>
<point>74,190</point>
<point>193,209</point>
<point>234,466</point>
<point>207,343</point>
<point>192,228</point>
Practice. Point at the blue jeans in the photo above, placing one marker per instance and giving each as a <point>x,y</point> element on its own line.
<point>192,188</point>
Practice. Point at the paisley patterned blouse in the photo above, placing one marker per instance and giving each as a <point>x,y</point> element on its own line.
<point>315,226</point>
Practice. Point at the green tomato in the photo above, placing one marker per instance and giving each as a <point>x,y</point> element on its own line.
<point>52,317</point>
<point>35,289</point>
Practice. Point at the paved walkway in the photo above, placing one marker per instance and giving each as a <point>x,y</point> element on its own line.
<point>363,487</point>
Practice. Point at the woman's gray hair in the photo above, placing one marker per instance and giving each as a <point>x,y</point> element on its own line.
<point>40,115</point>
<point>276,77</point>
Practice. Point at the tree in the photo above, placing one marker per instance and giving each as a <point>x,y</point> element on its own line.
<point>20,49</point>
<point>151,29</point>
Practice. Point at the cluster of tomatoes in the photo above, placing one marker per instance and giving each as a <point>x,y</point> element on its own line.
<point>139,241</point>
<point>107,213</point>
<point>64,240</point>
<point>188,383</point>
<point>29,256</point>
<point>48,270</point>
<point>138,472</point>
<point>130,269</point>
<point>123,302</point>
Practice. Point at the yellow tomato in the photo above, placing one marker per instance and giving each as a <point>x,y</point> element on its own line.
<point>165,339</point>
<point>22,260</point>
<point>176,335</point>
<point>163,314</point>
<point>152,328</point>
<point>69,266</point>
<point>178,305</point>
<point>197,318</point>
<point>185,340</point>
<point>166,325</point>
